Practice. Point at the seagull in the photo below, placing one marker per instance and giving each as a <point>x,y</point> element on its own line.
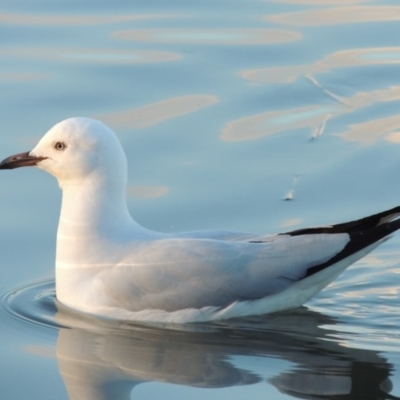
<point>109,266</point>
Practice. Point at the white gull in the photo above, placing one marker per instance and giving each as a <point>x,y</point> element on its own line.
<point>108,265</point>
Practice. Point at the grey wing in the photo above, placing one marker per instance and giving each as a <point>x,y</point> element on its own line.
<point>266,268</point>
<point>172,274</point>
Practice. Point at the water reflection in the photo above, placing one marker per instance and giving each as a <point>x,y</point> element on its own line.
<point>88,55</point>
<point>291,222</point>
<point>147,191</point>
<point>209,36</point>
<point>339,59</point>
<point>393,137</point>
<point>7,76</point>
<point>72,20</point>
<point>108,362</point>
<point>369,131</point>
<point>153,114</point>
<point>319,2</point>
<point>315,117</point>
<point>270,122</point>
<point>338,15</point>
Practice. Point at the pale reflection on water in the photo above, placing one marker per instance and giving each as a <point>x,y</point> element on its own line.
<point>7,76</point>
<point>320,2</point>
<point>315,117</point>
<point>153,114</point>
<point>210,36</point>
<point>72,20</point>
<point>332,61</point>
<point>147,191</point>
<point>108,362</point>
<point>91,55</point>
<point>339,15</point>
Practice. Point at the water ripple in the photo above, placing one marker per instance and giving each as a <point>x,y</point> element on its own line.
<point>33,304</point>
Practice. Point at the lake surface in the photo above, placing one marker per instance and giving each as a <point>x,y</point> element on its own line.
<point>225,109</point>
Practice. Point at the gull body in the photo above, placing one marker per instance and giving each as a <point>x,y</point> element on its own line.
<point>108,265</point>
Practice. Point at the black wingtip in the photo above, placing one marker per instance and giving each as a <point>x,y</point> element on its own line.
<point>359,240</point>
<point>358,225</point>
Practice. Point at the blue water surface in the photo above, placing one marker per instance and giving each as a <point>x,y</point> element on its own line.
<point>225,109</point>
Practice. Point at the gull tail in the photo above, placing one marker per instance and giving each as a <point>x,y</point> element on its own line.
<point>363,233</point>
<point>373,221</point>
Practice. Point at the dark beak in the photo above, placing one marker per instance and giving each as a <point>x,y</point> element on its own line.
<point>20,160</point>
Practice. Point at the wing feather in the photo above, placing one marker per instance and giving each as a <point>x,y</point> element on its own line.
<point>204,272</point>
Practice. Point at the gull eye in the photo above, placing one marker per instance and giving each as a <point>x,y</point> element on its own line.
<point>60,146</point>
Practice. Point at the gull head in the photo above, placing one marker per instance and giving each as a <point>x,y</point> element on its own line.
<point>74,150</point>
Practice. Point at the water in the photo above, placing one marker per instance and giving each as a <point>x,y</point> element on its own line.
<point>225,109</point>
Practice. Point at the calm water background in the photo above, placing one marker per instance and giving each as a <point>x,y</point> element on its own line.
<point>225,109</point>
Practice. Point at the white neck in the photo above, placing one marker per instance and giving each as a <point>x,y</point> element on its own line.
<point>95,209</point>
<point>94,221</point>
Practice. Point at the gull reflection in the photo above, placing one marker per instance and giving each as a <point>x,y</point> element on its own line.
<point>107,361</point>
